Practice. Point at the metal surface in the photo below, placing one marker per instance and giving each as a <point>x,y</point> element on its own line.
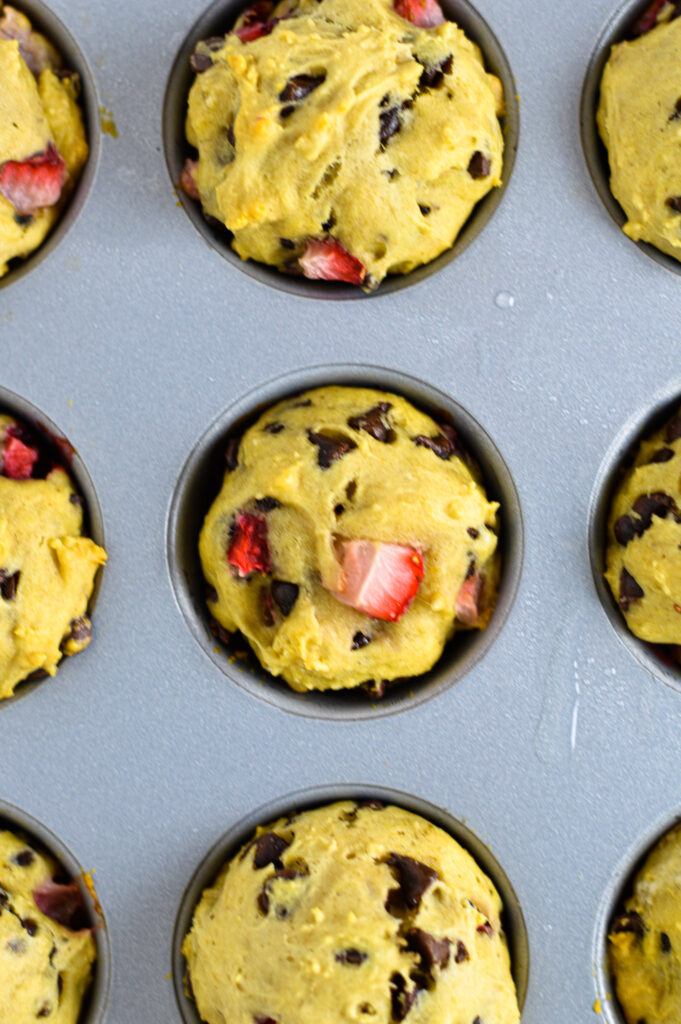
<point>559,748</point>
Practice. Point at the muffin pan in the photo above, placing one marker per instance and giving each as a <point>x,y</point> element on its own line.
<point>558,748</point>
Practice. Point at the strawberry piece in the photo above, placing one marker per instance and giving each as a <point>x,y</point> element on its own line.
<point>32,184</point>
<point>378,579</point>
<point>468,600</point>
<point>254,23</point>
<point>648,19</point>
<point>248,548</point>
<point>63,904</point>
<point>18,459</point>
<point>187,179</point>
<point>424,13</point>
<point>325,259</point>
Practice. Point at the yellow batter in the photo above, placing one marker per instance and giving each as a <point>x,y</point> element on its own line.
<point>36,109</point>
<point>43,614</point>
<point>639,118</point>
<point>373,155</point>
<point>313,495</point>
<point>45,968</point>
<point>645,941</point>
<point>362,914</point>
<point>643,558</point>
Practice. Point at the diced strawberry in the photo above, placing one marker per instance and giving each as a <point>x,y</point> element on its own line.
<point>248,548</point>
<point>424,13</point>
<point>188,179</point>
<point>18,459</point>
<point>254,23</point>
<point>325,259</point>
<point>63,904</point>
<point>649,18</point>
<point>378,579</point>
<point>468,600</point>
<point>32,184</point>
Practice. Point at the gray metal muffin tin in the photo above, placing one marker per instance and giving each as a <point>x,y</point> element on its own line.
<point>553,331</point>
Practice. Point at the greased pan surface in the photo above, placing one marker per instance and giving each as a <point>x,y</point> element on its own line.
<point>559,749</point>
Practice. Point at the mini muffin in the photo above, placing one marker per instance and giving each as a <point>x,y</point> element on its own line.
<point>46,944</point>
<point>643,557</point>
<point>42,138</point>
<point>47,568</point>
<point>351,538</point>
<point>343,139</point>
<point>639,119</point>
<point>350,912</point>
<point>644,945</point>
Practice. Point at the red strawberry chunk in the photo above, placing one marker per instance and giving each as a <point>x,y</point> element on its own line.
<point>325,259</point>
<point>378,579</point>
<point>32,184</point>
<point>468,600</point>
<point>63,904</point>
<point>188,179</point>
<point>649,18</point>
<point>248,548</point>
<point>254,23</point>
<point>18,459</point>
<point>424,13</point>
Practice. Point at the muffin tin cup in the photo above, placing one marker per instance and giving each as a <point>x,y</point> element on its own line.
<point>45,21</point>
<point>200,481</point>
<point>217,20</point>
<point>97,997</point>
<point>15,405</point>
<point>616,30</point>
<point>306,799</point>
<point>617,892</point>
<point>618,458</point>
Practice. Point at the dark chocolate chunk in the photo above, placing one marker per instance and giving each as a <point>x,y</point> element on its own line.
<point>305,403</point>
<point>214,43</point>
<point>267,607</point>
<point>425,210</point>
<point>629,922</point>
<point>461,953</point>
<point>210,593</point>
<point>76,499</point>
<point>478,1020</point>
<point>470,571</point>
<point>624,530</point>
<point>360,639</point>
<point>266,504</point>
<point>287,111</point>
<point>375,423</point>
<point>389,122</point>
<point>30,925</point>
<point>479,165</point>
<point>330,222</point>
<point>17,946</point>
<point>286,243</point>
<point>231,138</point>
<point>219,632</point>
<point>674,203</point>
<point>413,877</point>
<point>274,428</point>
<point>25,858</point>
<point>401,998</point>
<point>431,951</point>
<point>353,957</point>
<point>665,943</point>
<point>629,590</point>
<point>285,595</point>
<point>287,874</point>
<point>375,687</point>
<point>673,431</point>
<point>268,849</point>
<point>331,448</point>
<point>200,62</point>
<point>648,505</point>
<point>662,455</point>
<point>259,1018</point>
<point>9,584</point>
<point>300,86</point>
<point>80,629</point>
<point>23,219</point>
<point>350,490</point>
<point>676,113</point>
<point>472,532</point>
<point>444,445</point>
<point>231,453</point>
<point>433,75</point>
<point>45,1010</point>
<point>338,509</point>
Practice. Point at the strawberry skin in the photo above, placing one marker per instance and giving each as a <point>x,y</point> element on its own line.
<point>248,548</point>
<point>378,579</point>
<point>254,22</point>
<point>18,459</point>
<point>424,13</point>
<point>32,184</point>
<point>325,259</point>
<point>468,600</point>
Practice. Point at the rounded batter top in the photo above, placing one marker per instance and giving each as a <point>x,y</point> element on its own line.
<point>47,568</point>
<point>639,118</point>
<point>351,913</point>
<point>351,538</point>
<point>46,944</point>
<point>644,944</point>
<point>338,139</point>
<point>643,557</point>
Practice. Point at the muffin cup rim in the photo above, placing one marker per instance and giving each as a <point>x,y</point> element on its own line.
<point>315,703</point>
<point>310,797</point>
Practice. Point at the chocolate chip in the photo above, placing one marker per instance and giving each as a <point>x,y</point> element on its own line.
<point>210,593</point>
<point>268,848</point>
<point>304,404</point>
<point>413,877</point>
<point>430,950</point>
<point>80,629</point>
<point>45,1010</point>
<point>375,687</point>
<point>231,453</point>
<point>665,943</point>
<point>425,210</point>
<point>648,505</point>
<point>624,530</point>
<point>24,859</point>
<point>285,595</point>
<point>300,86</point>
<point>76,499</point>
<point>461,953</point>
<point>9,584</point>
<point>478,1020</point>
<point>485,928</point>
<point>676,113</point>
<point>266,504</point>
<point>353,957</point>
<point>331,448</point>
<point>23,219</point>
<point>287,874</point>
<point>266,607</point>
<point>472,532</point>
<point>479,165</point>
<point>371,805</point>
<point>673,431</point>
<point>360,640</point>
<point>629,922</point>
<point>231,138</point>
<point>274,428</point>
<point>389,122</point>
<point>30,925</point>
<point>287,111</point>
<point>200,62</point>
<point>674,203</point>
<point>444,445</point>
<point>214,43</point>
<point>401,998</point>
<point>338,509</point>
<point>375,423</point>
<point>260,1019</point>
<point>286,243</point>
<point>17,946</point>
<point>350,490</point>
<point>470,571</point>
<point>330,222</point>
<point>433,75</point>
<point>662,455</point>
<point>219,632</point>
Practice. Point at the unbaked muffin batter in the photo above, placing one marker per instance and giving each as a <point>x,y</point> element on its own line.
<point>645,941</point>
<point>344,124</point>
<point>47,568</point>
<point>639,119</point>
<point>643,557</point>
<point>351,538</point>
<point>350,913</point>
<point>42,139</point>
<point>45,967</point>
